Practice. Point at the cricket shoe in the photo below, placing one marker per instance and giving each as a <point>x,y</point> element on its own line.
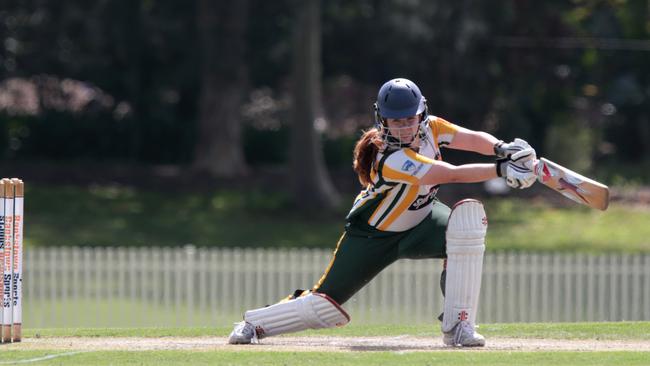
<point>243,333</point>
<point>463,335</point>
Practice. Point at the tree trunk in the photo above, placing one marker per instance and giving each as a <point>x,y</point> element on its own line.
<point>224,79</point>
<point>312,186</point>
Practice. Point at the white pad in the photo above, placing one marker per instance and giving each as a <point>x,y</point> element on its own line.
<point>312,311</point>
<point>465,246</point>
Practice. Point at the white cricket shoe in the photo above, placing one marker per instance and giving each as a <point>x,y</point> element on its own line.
<point>463,335</point>
<point>243,333</point>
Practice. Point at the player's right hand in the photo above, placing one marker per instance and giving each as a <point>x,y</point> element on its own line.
<point>518,178</point>
<point>519,169</point>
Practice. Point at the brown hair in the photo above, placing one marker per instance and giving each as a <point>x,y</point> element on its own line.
<point>365,153</point>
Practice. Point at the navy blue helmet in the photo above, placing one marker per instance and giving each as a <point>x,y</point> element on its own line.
<point>399,98</point>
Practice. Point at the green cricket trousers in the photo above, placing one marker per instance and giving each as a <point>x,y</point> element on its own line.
<point>363,252</point>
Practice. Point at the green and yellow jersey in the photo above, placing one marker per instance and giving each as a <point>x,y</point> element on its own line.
<point>394,201</point>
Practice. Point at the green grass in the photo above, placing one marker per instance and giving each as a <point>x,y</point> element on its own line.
<point>115,215</point>
<point>451,358</point>
<point>121,313</point>
<point>591,330</point>
<point>521,225</point>
<point>245,356</point>
<point>110,216</point>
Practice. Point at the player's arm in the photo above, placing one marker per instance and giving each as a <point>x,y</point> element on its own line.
<point>478,141</point>
<point>407,166</point>
<point>441,172</point>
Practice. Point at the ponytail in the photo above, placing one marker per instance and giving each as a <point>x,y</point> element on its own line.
<point>365,153</point>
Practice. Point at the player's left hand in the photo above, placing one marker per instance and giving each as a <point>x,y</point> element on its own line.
<point>524,159</point>
<point>507,150</point>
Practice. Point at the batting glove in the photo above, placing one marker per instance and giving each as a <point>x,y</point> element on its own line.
<point>506,150</point>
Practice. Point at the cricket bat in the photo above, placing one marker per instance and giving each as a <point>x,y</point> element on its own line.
<point>572,185</point>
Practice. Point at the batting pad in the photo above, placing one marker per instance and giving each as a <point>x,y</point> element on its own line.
<point>312,311</point>
<point>465,246</point>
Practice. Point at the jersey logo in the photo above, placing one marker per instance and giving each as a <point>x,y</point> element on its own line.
<point>408,166</point>
<point>424,200</point>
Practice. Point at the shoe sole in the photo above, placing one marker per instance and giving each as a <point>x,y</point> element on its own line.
<point>451,344</point>
<point>239,342</point>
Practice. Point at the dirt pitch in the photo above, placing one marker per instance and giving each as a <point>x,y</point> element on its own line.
<point>400,344</point>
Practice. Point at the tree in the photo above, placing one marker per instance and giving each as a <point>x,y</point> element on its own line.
<point>312,186</point>
<point>224,79</point>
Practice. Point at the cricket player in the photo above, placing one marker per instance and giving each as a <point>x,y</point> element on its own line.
<point>397,215</point>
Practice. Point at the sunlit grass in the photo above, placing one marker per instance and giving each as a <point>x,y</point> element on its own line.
<point>583,330</point>
<point>249,355</point>
<point>535,226</point>
<point>117,215</point>
<point>241,357</point>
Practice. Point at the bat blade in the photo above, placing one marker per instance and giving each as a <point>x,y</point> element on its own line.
<point>572,185</point>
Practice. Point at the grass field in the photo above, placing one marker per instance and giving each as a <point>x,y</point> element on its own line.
<point>73,347</point>
<point>116,215</point>
<point>584,330</point>
<point>448,358</point>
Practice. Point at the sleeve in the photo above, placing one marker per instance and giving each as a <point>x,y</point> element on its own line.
<point>405,166</point>
<point>443,131</point>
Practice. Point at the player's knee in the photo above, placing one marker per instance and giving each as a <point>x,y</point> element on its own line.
<point>467,226</point>
<point>337,317</point>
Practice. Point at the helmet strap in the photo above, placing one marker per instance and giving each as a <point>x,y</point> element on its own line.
<point>379,122</point>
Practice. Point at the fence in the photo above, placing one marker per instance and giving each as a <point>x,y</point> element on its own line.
<point>104,287</point>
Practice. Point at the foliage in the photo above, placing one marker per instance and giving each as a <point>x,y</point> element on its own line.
<point>538,70</point>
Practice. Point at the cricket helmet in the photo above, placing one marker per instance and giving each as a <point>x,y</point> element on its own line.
<point>399,98</point>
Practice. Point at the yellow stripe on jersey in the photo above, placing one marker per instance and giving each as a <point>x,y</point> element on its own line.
<point>391,174</point>
<point>373,175</point>
<point>370,196</point>
<point>406,202</point>
<point>369,187</point>
<point>417,157</point>
<point>377,210</point>
<point>443,131</point>
<point>329,267</point>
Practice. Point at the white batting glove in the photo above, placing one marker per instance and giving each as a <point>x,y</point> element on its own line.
<point>518,173</point>
<point>520,179</point>
<point>524,159</point>
<point>506,150</point>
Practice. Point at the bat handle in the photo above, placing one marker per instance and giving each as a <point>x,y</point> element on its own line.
<point>537,169</point>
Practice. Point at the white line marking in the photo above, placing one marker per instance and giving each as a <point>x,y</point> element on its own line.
<point>49,357</point>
